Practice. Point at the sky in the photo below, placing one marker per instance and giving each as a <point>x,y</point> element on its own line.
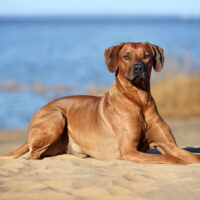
<point>100,7</point>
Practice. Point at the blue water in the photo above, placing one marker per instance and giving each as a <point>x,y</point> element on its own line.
<point>70,51</point>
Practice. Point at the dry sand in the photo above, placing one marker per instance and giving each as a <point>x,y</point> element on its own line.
<point>70,177</point>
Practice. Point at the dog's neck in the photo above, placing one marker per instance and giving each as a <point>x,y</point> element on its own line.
<point>137,92</point>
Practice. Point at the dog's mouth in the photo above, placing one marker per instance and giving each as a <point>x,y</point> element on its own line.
<point>137,77</point>
<point>137,72</point>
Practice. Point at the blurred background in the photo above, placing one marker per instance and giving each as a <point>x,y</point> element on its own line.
<point>55,48</point>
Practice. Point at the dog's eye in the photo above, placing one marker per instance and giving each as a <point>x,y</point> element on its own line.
<point>126,57</point>
<point>146,56</point>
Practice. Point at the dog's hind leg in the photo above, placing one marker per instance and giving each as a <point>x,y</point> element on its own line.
<point>45,129</point>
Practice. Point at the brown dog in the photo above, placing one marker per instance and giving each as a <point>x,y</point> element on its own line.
<point>122,124</point>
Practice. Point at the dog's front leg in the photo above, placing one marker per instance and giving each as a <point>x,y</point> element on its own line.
<point>128,142</point>
<point>159,135</point>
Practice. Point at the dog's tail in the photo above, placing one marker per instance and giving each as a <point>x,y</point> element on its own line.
<point>17,152</point>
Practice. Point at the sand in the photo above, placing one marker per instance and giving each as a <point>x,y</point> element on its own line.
<point>69,177</point>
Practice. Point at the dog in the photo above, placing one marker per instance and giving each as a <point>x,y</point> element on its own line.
<point>122,124</point>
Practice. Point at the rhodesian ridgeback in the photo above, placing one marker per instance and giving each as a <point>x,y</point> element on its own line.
<point>122,124</point>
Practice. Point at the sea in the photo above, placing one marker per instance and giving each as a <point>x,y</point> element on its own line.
<point>68,52</point>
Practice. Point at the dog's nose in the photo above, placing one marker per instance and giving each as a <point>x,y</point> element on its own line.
<point>138,68</point>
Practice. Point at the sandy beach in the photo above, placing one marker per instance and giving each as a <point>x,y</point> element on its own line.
<point>70,177</point>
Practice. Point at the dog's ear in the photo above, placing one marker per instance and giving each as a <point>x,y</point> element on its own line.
<point>158,54</point>
<point>111,57</point>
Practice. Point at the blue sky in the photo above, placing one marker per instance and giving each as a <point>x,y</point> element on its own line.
<point>116,7</point>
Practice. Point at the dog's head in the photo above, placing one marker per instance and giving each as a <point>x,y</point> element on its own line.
<point>133,61</point>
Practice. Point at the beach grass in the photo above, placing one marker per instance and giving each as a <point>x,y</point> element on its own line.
<point>178,96</point>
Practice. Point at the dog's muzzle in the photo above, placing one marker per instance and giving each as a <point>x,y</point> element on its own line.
<point>137,72</point>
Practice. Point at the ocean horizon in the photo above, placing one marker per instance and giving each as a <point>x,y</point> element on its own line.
<point>69,51</point>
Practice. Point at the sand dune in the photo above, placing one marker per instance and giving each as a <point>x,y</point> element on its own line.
<point>68,177</point>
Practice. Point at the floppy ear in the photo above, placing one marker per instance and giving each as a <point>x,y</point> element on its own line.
<point>111,57</point>
<point>158,57</point>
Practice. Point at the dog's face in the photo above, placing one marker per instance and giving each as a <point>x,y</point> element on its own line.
<point>133,61</point>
